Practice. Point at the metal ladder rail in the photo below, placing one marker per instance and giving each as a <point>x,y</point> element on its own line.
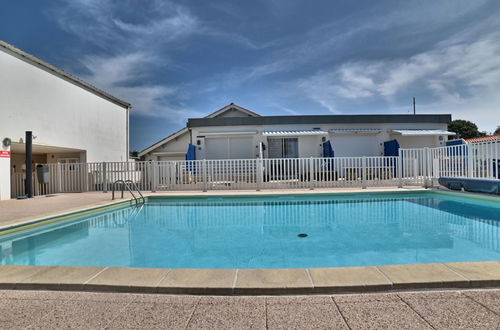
<point>124,185</point>
<point>134,185</point>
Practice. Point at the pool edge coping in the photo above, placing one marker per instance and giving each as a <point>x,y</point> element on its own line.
<point>258,281</point>
<point>31,222</point>
<point>360,279</point>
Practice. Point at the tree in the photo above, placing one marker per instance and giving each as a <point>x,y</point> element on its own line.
<point>465,129</point>
<point>497,131</point>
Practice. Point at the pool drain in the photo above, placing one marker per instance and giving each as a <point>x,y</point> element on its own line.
<point>302,235</point>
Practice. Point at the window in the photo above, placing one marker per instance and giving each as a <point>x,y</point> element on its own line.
<point>283,147</point>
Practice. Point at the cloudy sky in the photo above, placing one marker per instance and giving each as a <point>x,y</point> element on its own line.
<point>179,59</point>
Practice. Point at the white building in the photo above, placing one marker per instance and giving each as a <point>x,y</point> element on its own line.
<point>175,145</point>
<point>234,132</point>
<point>72,120</point>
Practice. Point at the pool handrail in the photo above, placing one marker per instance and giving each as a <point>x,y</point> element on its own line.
<point>129,184</point>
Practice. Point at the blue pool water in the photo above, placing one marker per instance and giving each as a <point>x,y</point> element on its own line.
<point>349,230</point>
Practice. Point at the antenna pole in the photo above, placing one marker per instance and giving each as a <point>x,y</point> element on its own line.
<point>414,111</point>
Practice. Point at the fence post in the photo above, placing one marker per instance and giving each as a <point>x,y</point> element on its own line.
<point>311,174</point>
<point>154,175</point>
<point>84,177</point>
<point>363,172</point>
<point>104,177</point>
<point>204,174</point>
<point>59,177</point>
<point>36,186</point>
<point>497,159</point>
<point>470,161</point>
<point>427,167</point>
<point>259,173</point>
<point>400,169</point>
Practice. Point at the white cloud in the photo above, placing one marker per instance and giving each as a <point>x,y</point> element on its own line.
<point>460,78</point>
<point>130,52</point>
<point>324,41</point>
<point>286,109</point>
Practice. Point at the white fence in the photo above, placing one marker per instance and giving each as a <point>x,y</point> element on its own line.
<point>222,174</point>
<point>413,167</point>
<point>478,160</point>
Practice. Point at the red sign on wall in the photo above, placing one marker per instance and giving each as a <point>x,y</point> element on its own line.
<point>4,154</point>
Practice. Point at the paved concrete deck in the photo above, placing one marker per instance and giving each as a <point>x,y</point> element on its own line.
<point>465,309</point>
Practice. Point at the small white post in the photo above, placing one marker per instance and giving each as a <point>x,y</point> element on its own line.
<point>260,173</point>
<point>36,185</point>
<point>470,160</point>
<point>311,174</point>
<point>204,174</point>
<point>400,169</point>
<point>154,175</point>
<point>427,168</point>
<point>497,160</point>
<point>104,177</point>
<point>363,173</point>
<point>84,177</point>
<point>59,177</point>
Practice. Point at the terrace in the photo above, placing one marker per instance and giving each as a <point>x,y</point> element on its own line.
<point>403,279</point>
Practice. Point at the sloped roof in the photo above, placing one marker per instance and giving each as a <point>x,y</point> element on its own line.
<point>184,130</point>
<point>483,139</point>
<point>229,107</point>
<point>62,74</point>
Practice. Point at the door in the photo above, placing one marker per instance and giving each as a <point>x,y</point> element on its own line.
<point>283,147</point>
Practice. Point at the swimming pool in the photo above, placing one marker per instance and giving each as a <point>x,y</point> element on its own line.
<point>265,232</point>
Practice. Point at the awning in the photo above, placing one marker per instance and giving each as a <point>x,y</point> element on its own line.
<point>419,132</point>
<point>220,133</point>
<point>294,133</point>
<point>168,153</point>
<point>355,130</point>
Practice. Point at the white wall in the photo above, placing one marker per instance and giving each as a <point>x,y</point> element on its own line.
<point>59,113</point>
<point>417,141</point>
<point>343,145</point>
<point>354,145</point>
<point>310,146</point>
<point>178,144</point>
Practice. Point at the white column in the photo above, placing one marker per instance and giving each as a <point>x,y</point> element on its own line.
<point>4,172</point>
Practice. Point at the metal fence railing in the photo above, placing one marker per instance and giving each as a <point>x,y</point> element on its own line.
<point>413,167</point>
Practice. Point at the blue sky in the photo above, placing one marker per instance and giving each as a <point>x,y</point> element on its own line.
<point>179,59</point>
